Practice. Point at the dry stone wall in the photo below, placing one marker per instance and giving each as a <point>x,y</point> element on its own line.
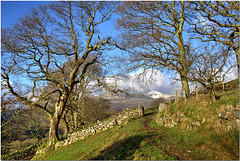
<point>120,118</point>
<point>229,116</point>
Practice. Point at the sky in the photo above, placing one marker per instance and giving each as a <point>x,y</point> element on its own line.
<point>11,10</point>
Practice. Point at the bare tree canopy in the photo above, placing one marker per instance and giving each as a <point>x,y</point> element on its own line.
<point>154,33</point>
<point>210,66</point>
<point>38,46</point>
<point>218,21</point>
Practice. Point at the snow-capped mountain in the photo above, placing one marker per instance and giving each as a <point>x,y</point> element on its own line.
<point>156,94</point>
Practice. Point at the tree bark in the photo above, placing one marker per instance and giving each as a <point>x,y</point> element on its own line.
<point>185,85</point>
<point>66,132</point>
<point>213,96</point>
<point>184,67</point>
<point>53,134</point>
<point>55,119</point>
<point>75,120</point>
<point>237,57</point>
<point>182,57</point>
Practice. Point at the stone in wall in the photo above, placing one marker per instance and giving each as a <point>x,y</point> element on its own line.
<point>141,110</point>
<point>161,107</point>
<point>99,126</point>
<point>196,123</point>
<point>230,115</point>
<point>166,121</point>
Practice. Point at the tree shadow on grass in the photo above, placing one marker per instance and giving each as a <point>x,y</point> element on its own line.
<point>145,115</point>
<point>123,149</point>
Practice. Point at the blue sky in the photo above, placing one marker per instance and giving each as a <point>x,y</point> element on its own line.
<point>11,10</point>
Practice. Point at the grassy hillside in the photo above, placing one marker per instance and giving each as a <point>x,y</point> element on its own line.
<point>130,141</point>
<point>143,139</point>
<point>215,138</point>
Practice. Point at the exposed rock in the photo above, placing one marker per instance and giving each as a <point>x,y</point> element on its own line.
<point>170,125</point>
<point>159,120</point>
<point>167,121</point>
<point>42,151</point>
<point>161,107</point>
<point>229,113</point>
<point>112,123</point>
<point>229,116</point>
<point>141,110</point>
<point>189,128</point>
<point>223,115</point>
<point>196,124</point>
<point>235,113</point>
<point>174,123</point>
<point>229,108</point>
<point>181,115</point>
<point>203,121</point>
<point>179,120</point>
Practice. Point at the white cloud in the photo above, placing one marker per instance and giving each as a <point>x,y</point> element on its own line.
<point>150,80</point>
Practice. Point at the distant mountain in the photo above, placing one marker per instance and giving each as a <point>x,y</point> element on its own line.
<point>122,101</point>
<point>156,94</point>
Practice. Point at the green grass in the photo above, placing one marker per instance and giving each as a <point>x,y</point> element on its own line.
<point>136,141</point>
<point>187,140</point>
<point>211,139</point>
<point>130,141</point>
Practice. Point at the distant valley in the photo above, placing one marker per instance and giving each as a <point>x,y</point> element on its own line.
<point>123,101</point>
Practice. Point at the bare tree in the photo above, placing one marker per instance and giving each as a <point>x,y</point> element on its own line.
<point>37,46</point>
<point>154,34</point>
<point>218,21</point>
<point>20,123</point>
<point>210,66</point>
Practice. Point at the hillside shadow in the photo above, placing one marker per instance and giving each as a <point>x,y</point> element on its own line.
<point>123,149</point>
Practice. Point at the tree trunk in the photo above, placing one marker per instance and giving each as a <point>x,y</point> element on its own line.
<point>66,132</point>
<point>184,70</point>
<point>75,120</point>
<point>185,85</point>
<point>55,119</point>
<point>184,80</point>
<point>182,51</point>
<point>53,134</point>
<point>237,57</point>
<point>213,96</point>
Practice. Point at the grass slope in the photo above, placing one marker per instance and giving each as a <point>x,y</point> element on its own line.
<point>213,139</point>
<point>131,141</point>
<point>143,139</point>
